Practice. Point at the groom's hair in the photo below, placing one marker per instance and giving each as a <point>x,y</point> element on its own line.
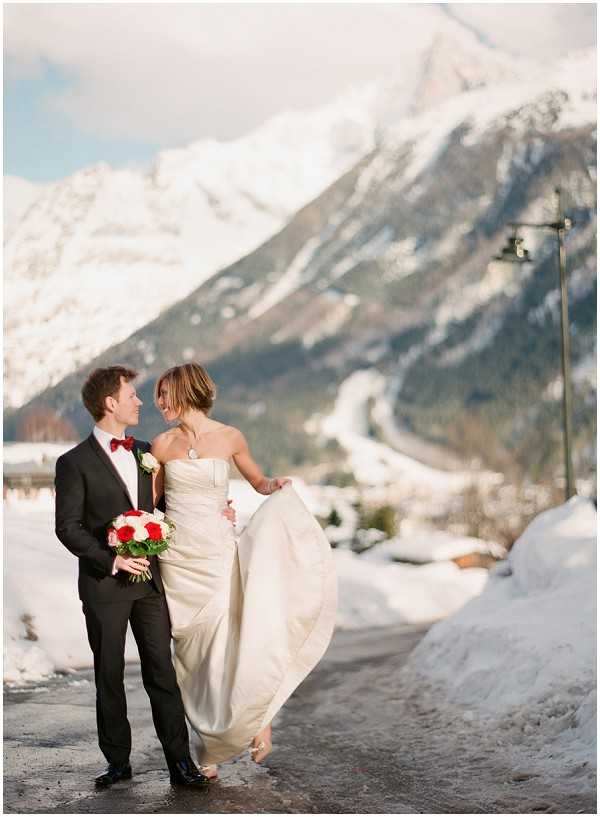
<point>103,383</point>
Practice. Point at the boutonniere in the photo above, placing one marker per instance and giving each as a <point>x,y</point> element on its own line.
<point>147,462</point>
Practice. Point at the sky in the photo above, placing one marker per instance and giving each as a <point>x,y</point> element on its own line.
<point>85,83</point>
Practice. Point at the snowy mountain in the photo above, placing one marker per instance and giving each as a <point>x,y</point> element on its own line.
<point>90,246</point>
<point>389,270</point>
<point>19,194</point>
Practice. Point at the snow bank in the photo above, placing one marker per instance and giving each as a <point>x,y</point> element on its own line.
<point>432,546</point>
<point>373,594</point>
<point>523,654</point>
<point>44,624</point>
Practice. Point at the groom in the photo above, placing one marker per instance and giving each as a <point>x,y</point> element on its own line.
<point>95,482</point>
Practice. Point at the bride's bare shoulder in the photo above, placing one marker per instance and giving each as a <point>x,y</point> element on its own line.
<point>162,442</point>
<point>222,428</point>
<point>226,432</point>
<point>236,438</point>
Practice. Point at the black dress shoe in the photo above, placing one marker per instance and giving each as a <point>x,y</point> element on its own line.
<point>185,773</point>
<point>113,774</point>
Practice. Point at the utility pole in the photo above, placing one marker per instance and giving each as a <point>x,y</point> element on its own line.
<point>515,253</point>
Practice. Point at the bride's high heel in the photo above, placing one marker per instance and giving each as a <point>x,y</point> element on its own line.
<point>262,749</point>
<point>210,771</point>
<point>260,752</point>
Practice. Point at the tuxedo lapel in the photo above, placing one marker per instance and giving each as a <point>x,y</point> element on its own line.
<point>141,475</point>
<point>105,460</point>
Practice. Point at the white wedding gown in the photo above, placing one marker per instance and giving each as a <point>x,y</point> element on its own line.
<point>250,617</point>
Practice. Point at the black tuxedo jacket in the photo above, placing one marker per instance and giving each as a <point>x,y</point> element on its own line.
<point>89,495</point>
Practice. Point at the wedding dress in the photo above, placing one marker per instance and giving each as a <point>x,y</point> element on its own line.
<point>250,617</point>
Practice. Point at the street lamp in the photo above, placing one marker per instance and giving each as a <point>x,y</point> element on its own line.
<point>515,253</point>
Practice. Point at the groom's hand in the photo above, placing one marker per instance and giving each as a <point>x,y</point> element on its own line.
<point>132,564</point>
<point>229,513</point>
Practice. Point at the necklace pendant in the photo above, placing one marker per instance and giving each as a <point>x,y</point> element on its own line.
<point>192,453</point>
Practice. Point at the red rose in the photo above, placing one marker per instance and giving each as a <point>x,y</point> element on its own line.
<point>125,533</point>
<point>133,513</point>
<point>154,531</point>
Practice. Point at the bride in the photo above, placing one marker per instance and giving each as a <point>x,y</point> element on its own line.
<point>250,617</point>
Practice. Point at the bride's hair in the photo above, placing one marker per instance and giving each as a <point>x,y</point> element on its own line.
<point>190,387</point>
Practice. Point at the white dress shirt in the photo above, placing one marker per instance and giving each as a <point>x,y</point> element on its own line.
<point>125,463</point>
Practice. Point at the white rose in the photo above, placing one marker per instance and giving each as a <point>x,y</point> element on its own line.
<point>140,534</point>
<point>150,462</point>
<point>120,521</point>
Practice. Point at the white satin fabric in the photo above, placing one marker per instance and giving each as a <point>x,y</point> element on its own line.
<point>250,617</point>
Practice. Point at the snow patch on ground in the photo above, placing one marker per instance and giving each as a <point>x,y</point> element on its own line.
<point>523,654</point>
<point>432,546</point>
<point>377,594</point>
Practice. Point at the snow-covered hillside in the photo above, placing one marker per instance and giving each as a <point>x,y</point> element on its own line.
<point>103,252</point>
<point>18,195</point>
<point>376,463</point>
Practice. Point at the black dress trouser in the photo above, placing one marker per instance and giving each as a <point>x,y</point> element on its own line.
<point>106,627</point>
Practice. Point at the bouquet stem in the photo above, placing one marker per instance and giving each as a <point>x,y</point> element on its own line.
<point>143,577</point>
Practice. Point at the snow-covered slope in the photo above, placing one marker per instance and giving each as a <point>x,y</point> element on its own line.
<point>373,462</point>
<point>18,195</point>
<point>522,657</point>
<point>103,252</point>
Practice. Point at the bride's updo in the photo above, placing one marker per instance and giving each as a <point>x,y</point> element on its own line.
<point>189,386</point>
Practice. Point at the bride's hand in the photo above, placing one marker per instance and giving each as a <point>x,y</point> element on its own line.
<point>229,512</point>
<point>275,484</point>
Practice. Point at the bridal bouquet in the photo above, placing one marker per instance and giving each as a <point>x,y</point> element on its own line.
<point>138,533</point>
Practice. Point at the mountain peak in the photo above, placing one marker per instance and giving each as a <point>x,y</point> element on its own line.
<point>448,70</point>
<point>158,235</point>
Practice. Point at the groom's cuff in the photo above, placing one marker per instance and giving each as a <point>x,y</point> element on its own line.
<point>114,569</point>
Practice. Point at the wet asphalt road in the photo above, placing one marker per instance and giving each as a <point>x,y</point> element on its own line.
<point>51,755</point>
<point>352,739</point>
